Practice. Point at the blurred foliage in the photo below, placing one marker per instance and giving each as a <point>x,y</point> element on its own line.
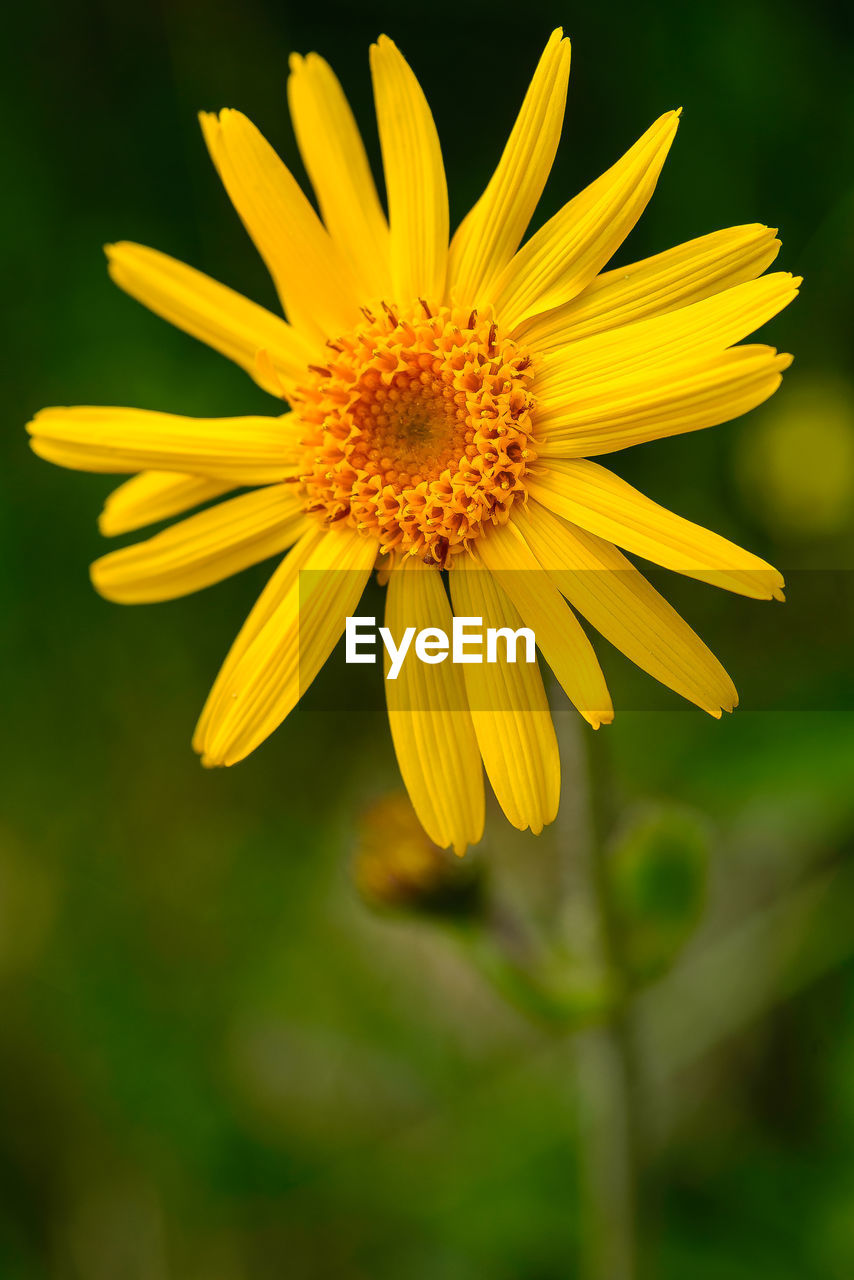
<point>214,1062</point>
<point>657,880</point>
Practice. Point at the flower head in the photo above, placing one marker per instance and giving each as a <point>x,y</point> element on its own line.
<point>422,431</point>
<point>445,402</point>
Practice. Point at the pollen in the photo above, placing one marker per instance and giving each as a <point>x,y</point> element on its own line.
<point>418,429</point>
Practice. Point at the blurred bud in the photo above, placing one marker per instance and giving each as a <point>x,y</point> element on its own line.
<point>657,876</point>
<point>796,466</point>
<point>397,866</point>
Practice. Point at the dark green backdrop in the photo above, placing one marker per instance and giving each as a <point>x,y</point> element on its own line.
<point>215,1063</point>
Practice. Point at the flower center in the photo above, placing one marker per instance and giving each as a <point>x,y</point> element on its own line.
<point>418,430</point>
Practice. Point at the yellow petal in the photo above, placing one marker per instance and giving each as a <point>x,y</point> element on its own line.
<point>654,286</point>
<point>489,236</point>
<point>281,661</point>
<point>225,320</point>
<point>702,329</point>
<point>414,176</point>
<point>155,495</point>
<point>313,282</point>
<point>594,498</point>
<point>560,637</point>
<point>335,160</point>
<point>237,450</point>
<point>274,594</point>
<point>432,730</point>
<point>564,255</point>
<point>204,549</point>
<point>627,412</point>
<point>509,708</point>
<point>618,601</point>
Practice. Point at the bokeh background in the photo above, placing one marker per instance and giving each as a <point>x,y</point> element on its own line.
<point>216,1062</point>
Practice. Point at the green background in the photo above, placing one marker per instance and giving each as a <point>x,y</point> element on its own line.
<point>215,1061</point>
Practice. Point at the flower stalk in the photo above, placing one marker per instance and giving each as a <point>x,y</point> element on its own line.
<point>606,1084</point>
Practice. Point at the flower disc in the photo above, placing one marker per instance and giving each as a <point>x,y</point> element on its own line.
<point>419,429</point>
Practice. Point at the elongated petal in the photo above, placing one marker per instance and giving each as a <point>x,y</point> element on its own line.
<point>215,314</point>
<point>432,730</point>
<point>335,160</point>
<point>703,329</point>
<point>314,284</point>
<point>204,549</point>
<point>491,233</point>
<point>155,495</point>
<point>237,450</point>
<point>560,637</point>
<point>509,708</point>
<point>564,255</point>
<point>271,598</point>
<point>654,286</point>
<point>414,176</point>
<point>594,498</point>
<point>286,654</point>
<point>619,602</point>
<point>619,414</point>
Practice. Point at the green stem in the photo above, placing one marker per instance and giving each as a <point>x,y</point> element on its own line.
<point>605,1077</point>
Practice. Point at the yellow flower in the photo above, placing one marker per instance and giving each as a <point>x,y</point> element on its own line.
<point>445,402</point>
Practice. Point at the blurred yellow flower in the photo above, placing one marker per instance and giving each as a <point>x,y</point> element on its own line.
<point>397,865</point>
<point>773,464</point>
<point>445,402</point>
